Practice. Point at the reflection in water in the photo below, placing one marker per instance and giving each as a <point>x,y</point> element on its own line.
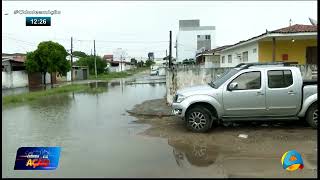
<point>195,152</point>
<point>115,83</point>
<point>152,84</point>
<point>52,107</point>
<point>97,88</point>
<point>53,110</point>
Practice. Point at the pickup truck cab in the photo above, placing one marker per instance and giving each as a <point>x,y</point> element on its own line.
<point>252,91</point>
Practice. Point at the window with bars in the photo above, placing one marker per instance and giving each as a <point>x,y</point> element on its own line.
<point>229,58</point>
<point>245,56</point>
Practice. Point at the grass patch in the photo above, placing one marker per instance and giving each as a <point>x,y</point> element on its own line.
<point>30,96</point>
<point>113,75</point>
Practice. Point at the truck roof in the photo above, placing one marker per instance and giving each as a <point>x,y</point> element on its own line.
<point>272,67</point>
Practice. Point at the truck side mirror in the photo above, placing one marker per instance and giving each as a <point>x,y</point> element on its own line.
<point>233,86</point>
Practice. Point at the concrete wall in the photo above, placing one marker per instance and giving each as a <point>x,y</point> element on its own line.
<point>252,56</point>
<point>118,68</point>
<point>14,79</point>
<point>187,43</point>
<point>182,77</point>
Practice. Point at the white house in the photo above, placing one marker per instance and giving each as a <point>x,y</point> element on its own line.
<point>247,53</point>
<point>193,38</point>
<point>74,58</point>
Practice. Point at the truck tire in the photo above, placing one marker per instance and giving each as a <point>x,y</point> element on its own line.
<point>198,119</point>
<point>312,115</point>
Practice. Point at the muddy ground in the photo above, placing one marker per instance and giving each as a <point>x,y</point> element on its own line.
<point>258,155</point>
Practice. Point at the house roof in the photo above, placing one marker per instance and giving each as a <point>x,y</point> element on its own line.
<point>4,59</point>
<point>108,56</point>
<point>212,51</point>
<point>118,62</point>
<point>13,54</point>
<point>297,28</point>
<point>18,57</point>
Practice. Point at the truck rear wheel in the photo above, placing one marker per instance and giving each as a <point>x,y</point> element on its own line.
<point>198,119</point>
<point>312,115</point>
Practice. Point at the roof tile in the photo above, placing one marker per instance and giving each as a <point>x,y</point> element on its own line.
<point>297,28</point>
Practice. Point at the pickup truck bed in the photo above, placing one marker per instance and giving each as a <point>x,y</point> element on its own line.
<point>309,82</point>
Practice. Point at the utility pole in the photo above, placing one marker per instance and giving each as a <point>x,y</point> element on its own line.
<point>95,60</point>
<point>166,57</point>
<point>121,62</point>
<point>273,49</point>
<point>71,58</point>
<point>170,50</point>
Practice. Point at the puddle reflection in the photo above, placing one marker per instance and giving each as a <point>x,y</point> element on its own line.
<point>195,152</point>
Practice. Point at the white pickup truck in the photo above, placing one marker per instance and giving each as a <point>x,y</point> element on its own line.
<point>250,91</point>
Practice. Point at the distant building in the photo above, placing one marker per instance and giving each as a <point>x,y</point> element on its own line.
<point>21,57</point>
<point>296,43</point>
<point>108,57</point>
<point>74,58</point>
<point>79,73</point>
<point>151,56</point>
<point>193,38</point>
<point>13,73</point>
<point>210,58</point>
<point>120,61</point>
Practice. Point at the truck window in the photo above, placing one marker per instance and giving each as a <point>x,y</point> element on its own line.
<point>279,78</point>
<point>248,80</point>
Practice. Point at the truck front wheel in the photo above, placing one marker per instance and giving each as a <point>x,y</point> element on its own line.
<point>312,115</point>
<point>198,119</point>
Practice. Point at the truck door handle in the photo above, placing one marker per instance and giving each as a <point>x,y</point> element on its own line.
<point>291,93</point>
<point>260,93</point>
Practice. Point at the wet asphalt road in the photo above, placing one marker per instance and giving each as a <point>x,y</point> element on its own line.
<point>100,139</point>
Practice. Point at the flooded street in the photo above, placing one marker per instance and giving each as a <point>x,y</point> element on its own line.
<point>98,138</point>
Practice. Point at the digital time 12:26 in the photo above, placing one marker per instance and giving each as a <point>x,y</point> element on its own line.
<point>38,21</point>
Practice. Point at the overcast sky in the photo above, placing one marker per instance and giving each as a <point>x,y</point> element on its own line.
<point>143,26</point>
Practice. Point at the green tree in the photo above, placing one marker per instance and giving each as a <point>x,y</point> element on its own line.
<point>149,63</point>
<point>140,64</point>
<point>79,54</point>
<point>89,61</point>
<point>48,57</point>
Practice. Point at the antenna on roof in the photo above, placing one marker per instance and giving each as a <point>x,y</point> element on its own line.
<point>290,22</point>
<point>313,22</point>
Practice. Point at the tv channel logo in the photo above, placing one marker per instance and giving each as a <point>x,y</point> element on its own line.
<point>292,160</point>
<point>37,158</point>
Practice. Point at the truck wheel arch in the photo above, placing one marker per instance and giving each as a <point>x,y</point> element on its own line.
<point>207,105</point>
<point>307,104</point>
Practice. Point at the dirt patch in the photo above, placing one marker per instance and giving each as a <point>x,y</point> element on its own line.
<point>156,108</point>
<point>265,142</point>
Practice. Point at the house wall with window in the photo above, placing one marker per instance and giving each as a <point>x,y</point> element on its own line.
<point>212,61</point>
<point>246,53</point>
<point>294,50</point>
